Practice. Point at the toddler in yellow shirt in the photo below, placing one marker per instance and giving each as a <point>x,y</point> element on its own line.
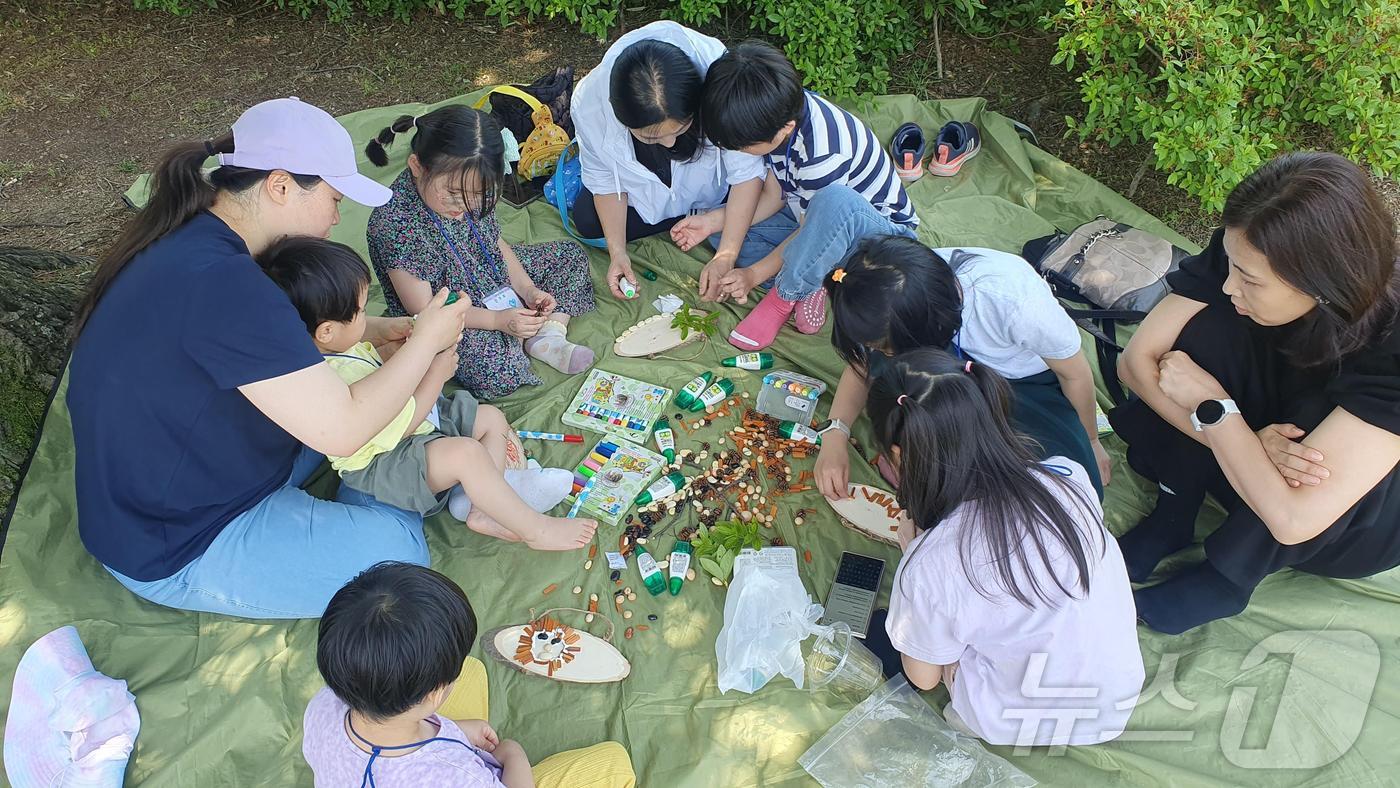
<point>439,451</point>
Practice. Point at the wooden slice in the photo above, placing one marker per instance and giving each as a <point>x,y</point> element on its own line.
<point>553,650</point>
<point>653,335</point>
<point>866,512</point>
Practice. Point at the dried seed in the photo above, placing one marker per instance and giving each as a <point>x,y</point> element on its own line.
<point>689,575</point>
<point>643,627</point>
<point>588,564</point>
<point>626,614</point>
<point>549,589</point>
<point>797,521</point>
<point>592,551</point>
<point>588,619</point>
<point>592,597</point>
<point>716,581</point>
<point>631,597</point>
<point>807,556</point>
<point>651,617</point>
<point>578,589</point>
<point>628,633</point>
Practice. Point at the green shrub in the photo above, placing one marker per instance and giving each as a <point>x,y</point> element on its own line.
<point>1220,86</point>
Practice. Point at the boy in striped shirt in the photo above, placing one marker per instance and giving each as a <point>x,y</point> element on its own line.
<point>833,184</point>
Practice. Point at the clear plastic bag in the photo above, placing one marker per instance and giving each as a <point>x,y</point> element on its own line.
<point>767,615</point>
<point>894,739</point>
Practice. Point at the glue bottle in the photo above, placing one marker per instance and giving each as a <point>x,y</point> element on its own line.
<point>665,439</point>
<point>664,487</point>
<point>750,361</point>
<point>629,290</point>
<point>679,565</point>
<point>651,573</point>
<point>715,394</point>
<point>799,432</point>
<point>690,395</point>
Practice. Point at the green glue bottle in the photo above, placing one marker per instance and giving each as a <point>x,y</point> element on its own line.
<point>679,565</point>
<point>799,432</point>
<point>690,395</point>
<point>664,487</point>
<point>651,573</point>
<point>665,439</point>
<point>715,394</point>
<point>750,361</point>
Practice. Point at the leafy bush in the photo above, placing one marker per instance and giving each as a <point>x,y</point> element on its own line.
<point>1220,86</point>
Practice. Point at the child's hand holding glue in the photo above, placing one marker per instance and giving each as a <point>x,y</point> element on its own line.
<point>440,324</point>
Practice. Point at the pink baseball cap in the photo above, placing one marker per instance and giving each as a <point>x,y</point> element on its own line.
<point>289,134</point>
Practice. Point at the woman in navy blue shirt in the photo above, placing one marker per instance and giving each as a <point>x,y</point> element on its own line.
<point>199,403</point>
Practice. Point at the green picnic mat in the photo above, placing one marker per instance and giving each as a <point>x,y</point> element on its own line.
<point>1277,695</point>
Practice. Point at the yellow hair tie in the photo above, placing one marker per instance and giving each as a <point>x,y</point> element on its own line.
<point>838,275</point>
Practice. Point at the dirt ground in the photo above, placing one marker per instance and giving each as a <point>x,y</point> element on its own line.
<point>91,93</point>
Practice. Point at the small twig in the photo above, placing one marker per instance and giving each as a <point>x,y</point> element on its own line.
<point>1137,179</point>
<point>938,46</point>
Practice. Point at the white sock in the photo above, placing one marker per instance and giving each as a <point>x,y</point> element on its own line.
<point>458,504</point>
<point>541,489</point>
<point>551,347</point>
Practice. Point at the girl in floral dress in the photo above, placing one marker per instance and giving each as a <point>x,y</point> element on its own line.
<point>440,230</point>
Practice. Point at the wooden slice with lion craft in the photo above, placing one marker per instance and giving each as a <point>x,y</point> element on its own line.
<point>548,648</point>
<point>654,335</point>
<point>870,511</point>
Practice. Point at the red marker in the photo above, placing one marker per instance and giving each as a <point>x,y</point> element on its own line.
<point>550,436</point>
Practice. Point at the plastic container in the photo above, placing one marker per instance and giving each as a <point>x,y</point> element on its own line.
<point>839,662</point>
<point>789,396</point>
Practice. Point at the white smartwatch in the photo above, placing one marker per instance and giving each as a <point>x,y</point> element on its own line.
<point>834,424</point>
<point>1212,412</point>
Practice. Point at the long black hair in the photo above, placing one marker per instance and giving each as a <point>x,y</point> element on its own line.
<point>392,635</point>
<point>1326,231</point>
<point>451,139</point>
<point>179,191</point>
<point>896,294</point>
<point>951,422</point>
<point>652,82</point>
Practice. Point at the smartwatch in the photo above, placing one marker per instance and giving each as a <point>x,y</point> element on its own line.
<point>834,424</point>
<point>1212,412</point>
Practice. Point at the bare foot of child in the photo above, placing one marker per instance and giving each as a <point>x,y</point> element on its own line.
<point>483,524</point>
<point>561,533</point>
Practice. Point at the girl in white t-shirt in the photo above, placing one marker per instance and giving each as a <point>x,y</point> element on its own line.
<point>1010,591</point>
<point>894,294</point>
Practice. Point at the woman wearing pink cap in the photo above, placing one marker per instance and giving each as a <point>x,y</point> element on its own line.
<point>200,404</point>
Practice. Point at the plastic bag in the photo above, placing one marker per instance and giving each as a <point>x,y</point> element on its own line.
<point>894,739</point>
<point>767,614</point>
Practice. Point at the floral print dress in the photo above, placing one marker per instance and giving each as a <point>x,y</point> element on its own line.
<point>403,236</point>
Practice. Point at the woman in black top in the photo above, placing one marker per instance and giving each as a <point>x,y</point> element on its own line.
<point>1270,379</point>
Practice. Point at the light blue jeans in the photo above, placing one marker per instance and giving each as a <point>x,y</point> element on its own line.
<point>838,217</point>
<point>286,556</point>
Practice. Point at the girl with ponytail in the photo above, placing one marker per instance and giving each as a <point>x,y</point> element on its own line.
<point>200,405</point>
<point>440,230</point>
<point>1008,574</point>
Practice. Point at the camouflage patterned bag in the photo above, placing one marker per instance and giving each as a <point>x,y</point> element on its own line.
<point>1117,272</point>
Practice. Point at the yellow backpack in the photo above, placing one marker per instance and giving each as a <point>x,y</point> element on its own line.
<point>539,153</point>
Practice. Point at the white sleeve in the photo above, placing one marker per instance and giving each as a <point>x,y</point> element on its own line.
<point>741,167</point>
<point>1037,322</point>
<point>596,166</point>
<point>922,617</point>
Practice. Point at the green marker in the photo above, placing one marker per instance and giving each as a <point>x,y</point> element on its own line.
<point>690,395</point>
<point>750,361</point>
<point>665,439</point>
<point>679,565</point>
<point>715,394</point>
<point>664,487</point>
<point>799,432</point>
<point>651,573</point>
